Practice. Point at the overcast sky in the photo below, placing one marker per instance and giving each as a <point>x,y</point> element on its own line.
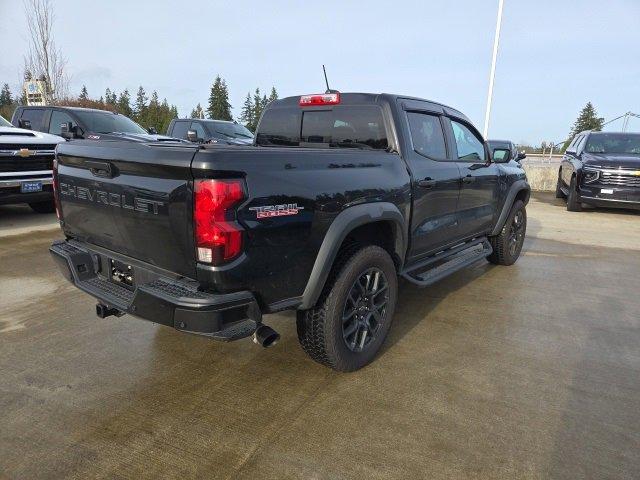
<point>554,55</point>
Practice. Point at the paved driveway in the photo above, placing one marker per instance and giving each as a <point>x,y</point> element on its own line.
<point>530,371</point>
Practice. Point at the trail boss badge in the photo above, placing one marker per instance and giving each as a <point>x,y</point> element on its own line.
<point>269,211</point>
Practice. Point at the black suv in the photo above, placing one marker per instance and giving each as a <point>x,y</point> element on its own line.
<point>601,169</point>
<point>88,123</point>
<point>198,130</point>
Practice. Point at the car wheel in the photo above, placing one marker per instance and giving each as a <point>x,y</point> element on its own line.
<point>507,245</point>
<point>43,207</point>
<point>350,322</point>
<point>559,192</point>
<point>573,204</point>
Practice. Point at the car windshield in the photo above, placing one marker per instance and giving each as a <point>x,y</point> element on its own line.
<point>231,130</point>
<point>107,122</point>
<point>4,123</point>
<point>625,143</point>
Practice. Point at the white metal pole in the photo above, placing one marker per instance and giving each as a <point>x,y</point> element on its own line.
<point>496,41</point>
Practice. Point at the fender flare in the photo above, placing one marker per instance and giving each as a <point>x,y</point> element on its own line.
<point>346,221</point>
<point>516,187</point>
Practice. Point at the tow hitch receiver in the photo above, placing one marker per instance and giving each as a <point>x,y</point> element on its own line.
<point>103,311</point>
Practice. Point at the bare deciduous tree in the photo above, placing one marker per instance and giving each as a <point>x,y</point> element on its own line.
<point>44,61</point>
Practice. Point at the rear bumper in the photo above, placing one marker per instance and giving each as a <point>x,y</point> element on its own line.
<point>175,303</point>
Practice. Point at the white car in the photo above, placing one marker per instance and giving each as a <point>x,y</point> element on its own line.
<point>26,162</point>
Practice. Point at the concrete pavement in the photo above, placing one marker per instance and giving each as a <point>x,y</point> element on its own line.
<point>529,371</point>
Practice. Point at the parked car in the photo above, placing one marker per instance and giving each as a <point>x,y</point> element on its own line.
<point>601,169</point>
<point>341,194</point>
<point>86,123</point>
<point>198,130</point>
<point>26,163</point>
<point>505,151</point>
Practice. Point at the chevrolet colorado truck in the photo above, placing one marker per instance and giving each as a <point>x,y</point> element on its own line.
<point>601,169</point>
<point>341,194</point>
<point>26,162</point>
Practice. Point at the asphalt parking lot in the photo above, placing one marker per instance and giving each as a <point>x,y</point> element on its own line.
<point>530,371</point>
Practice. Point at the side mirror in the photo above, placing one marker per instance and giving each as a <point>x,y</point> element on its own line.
<point>521,156</point>
<point>192,136</point>
<point>66,131</point>
<point>152,131</point>
<point>25,124</point>
<point>501,155</point>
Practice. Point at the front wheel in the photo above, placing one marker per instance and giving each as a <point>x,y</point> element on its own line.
<point>47,206</point>
<point>573,203</point>
<point>559,192</point>
<point>507,245</point>
<point>350,322</point>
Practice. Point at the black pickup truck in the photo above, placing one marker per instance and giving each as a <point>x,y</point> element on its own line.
<point>340,194</point>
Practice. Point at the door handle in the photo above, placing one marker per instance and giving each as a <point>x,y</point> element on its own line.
<point>427,183</point>
<point>99,169</point>
<point>468,179</point>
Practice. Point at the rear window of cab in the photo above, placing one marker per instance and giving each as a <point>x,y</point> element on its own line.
<point>343,126</point>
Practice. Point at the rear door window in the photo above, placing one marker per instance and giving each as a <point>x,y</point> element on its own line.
<point>35,116</point>
<point>57,119</point>
<point>427,136</point>
<point>180,129</point>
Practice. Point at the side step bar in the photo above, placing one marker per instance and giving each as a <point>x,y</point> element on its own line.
<point>443,264</point>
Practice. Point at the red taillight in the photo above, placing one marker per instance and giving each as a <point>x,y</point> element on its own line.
<point>218,237</point>
<point>54,184</point>
<point>320,99</point>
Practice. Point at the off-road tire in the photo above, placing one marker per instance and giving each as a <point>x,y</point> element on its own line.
<point>502,253</point>
<point>559,192</point>
<point>320,329</point>
<point>573,204</point>
<point>48,206</point>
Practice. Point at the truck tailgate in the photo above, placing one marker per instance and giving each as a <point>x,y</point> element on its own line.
<point>134,199</point>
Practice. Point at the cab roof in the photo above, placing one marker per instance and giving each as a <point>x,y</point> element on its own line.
<point>353,98</point>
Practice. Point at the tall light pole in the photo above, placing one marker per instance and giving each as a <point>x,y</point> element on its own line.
<point>492,75</point>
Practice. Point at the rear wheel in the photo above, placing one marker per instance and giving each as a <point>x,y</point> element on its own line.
<point>573,203</point>
<point>350,322</point>
<point>508,244</point>
<point>43,207</point>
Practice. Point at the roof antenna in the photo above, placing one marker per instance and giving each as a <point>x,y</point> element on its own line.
<point>327,81</point>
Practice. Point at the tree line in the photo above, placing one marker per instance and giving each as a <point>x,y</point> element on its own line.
<point>219,106</point>
<point>149,111</point>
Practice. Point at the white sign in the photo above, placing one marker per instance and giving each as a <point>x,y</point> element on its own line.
<point>34,90</point>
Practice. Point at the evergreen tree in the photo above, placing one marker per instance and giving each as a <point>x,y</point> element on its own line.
<point>219,107</point>
<point>246,116</point>
<point>258,106</point>
<point>152,114</point>
<point>124,103</point>
<point>110,98</point>
<point>140,105</point>
<point>587,120</point>
<point>273,95</point>
<point>5,96</point>
<point>84,95</point>
<point>197,112</point>
<point>7,104</point>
